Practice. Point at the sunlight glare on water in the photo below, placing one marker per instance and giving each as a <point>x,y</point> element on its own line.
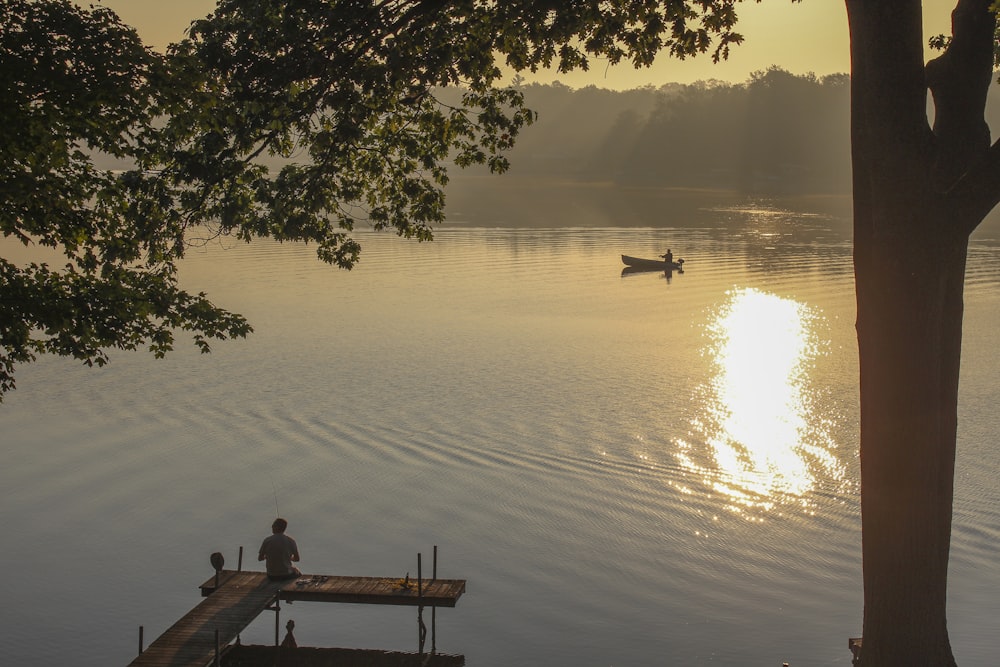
<point>765,443</point>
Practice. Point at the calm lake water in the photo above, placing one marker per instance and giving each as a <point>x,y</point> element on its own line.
<point>628,470</point>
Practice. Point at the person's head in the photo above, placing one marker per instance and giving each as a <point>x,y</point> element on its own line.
<point>279,525</point>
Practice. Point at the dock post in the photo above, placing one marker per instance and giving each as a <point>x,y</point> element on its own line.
<point>239,563</point>
<point>277,618</point>
<point>434,610</point>
<point>421,630</point>
<point>140,640</point>
<point>434,576</point>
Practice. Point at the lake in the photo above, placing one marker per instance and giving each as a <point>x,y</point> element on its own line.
<point>627,469</point>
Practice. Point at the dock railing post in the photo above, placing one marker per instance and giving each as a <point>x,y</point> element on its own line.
<point>421,631</point>
<point>421,628</point>
<point>434,576</point>
<point>140,640</point>
<point>239,563</point>
<point>277,617</point>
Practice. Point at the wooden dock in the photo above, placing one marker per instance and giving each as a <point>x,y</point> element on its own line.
<point>239,597</point>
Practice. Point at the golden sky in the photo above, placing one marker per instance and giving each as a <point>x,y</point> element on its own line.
<point>809,36</point>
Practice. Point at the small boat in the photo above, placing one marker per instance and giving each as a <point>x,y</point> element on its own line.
<point>640,264</point>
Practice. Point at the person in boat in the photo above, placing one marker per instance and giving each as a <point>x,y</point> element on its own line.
<point>280,551</point>
<point>669,257</point>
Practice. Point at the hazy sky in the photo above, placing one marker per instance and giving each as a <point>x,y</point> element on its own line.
<point>810,36</point>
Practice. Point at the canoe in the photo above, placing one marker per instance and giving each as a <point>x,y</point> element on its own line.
<point>652,264</point>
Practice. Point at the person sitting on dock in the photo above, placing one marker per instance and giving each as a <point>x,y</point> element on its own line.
<point>279,550</point>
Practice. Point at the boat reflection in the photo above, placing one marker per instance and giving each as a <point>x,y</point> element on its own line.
<point>759,441</point>
<point>630,270</point>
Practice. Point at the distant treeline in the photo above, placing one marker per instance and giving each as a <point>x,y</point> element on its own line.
<point>777,133</point>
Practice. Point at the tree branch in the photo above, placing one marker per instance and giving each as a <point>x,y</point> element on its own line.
<point>977,191</point>
<point>959,80</point>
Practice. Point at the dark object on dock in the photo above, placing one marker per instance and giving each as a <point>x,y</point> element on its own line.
<point>289,640</point>
<point>639,264</point>
<point>854,643</point>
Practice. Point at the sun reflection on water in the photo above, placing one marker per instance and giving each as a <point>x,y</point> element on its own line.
<point>764,443</point>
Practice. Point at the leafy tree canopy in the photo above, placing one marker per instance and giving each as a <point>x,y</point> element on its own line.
<point>291,120</point>
<point>77,83</point>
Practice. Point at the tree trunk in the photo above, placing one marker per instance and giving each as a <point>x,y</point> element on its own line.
<point>911,240</point>
<point>909,340</point>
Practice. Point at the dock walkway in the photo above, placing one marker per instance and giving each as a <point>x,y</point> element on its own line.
<point>240,597</point>
<point>191,642</point>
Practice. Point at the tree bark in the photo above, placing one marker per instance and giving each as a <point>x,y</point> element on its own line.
<point>909,341</point>
<point>911,240</point>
